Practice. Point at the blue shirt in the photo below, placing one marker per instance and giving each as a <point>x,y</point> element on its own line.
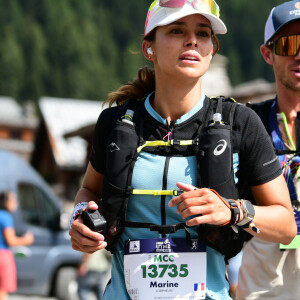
<point>6,221</point>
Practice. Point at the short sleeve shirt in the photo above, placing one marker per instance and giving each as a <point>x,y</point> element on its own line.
<point>5,222</point>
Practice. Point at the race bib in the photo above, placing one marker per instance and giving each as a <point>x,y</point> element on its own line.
<point>165,268</point>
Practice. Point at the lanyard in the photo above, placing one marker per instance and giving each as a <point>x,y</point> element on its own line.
<point>289,166</point>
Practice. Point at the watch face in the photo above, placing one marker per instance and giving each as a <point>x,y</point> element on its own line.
<point>249,207</point>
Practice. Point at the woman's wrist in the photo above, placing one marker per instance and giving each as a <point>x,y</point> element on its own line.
<point>75,213</point>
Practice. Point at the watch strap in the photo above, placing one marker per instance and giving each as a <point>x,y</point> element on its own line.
<point>232,205</point>
<point>235,212</point>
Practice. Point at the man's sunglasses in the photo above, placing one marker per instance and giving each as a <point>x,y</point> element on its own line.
<point>206,5</point>
<point>287,45</point>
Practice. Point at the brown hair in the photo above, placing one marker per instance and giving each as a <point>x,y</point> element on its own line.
<point>145,82</point>
<point>137,89</point>
<point>4,196</point>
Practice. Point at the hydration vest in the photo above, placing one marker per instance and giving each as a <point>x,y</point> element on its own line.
<point>266,110</point>
<point>126,141</point>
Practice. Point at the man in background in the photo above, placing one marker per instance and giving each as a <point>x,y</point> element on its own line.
<point>92,274</point>
<point>269,270</point>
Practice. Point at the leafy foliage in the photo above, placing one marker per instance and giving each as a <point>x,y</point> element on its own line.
<point>86,49</point>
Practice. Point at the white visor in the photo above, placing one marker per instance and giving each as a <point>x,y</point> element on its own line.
<point>160,16</point>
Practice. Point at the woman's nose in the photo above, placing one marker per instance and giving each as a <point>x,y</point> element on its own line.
<point>191,41</point>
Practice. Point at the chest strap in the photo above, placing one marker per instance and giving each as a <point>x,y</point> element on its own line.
<point>161,229</point>
<point>157,192</point>
<point>167,143</point>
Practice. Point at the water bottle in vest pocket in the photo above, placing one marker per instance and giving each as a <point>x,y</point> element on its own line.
<point>215,157</point>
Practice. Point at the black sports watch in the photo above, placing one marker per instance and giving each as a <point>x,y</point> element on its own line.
<point>235,212</point>
<point>248,213</point>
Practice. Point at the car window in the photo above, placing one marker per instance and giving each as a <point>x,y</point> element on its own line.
<point>28,204</point>
<point>36,207</point>
<point>50,212</point>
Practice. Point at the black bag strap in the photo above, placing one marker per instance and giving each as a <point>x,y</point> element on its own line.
<point>263,110</point>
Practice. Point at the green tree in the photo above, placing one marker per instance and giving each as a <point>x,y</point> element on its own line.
<point>12,65</point>
<point>245,21</point>
<point>86,49</point>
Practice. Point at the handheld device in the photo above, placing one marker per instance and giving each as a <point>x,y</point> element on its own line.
<point>94,220</point>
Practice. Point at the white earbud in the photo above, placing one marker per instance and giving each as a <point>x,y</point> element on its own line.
<point>211,57</point>
<point>149,51</point>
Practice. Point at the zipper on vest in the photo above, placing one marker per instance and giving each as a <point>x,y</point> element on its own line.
<point>165,179</point>
<point>163,197</point>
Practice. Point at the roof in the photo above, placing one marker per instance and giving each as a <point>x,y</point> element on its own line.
<point>255,91</point>
<point>260,85</point>
<point>216,81</point>
<point>9,108</point>
<point>62,116</point>
<point>12,113</point>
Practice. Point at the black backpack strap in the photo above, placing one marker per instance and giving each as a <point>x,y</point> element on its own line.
<point>263,110</point>
<point>221,238</point>
<point>137,107</point>
<point>219,105</point>
<point>206,115</point>
<point>227,111</point>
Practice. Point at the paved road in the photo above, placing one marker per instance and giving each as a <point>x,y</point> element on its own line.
<point>21,297</point>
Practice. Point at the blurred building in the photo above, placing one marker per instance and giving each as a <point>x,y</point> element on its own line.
<point>62,160</point>
<point>17,127</point>
<point>216,82</point>
<point>254,91</point>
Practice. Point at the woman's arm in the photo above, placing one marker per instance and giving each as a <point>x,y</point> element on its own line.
<point>91,189</point>
<point>13,240</point>
<point>82,238</point>
<point>273,215</point>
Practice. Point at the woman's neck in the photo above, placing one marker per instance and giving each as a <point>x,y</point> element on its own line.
<point>173,100</point>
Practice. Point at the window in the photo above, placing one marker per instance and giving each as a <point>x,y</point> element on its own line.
<point>50,213</point>
<point>37,208</point>
<point>28,204</point>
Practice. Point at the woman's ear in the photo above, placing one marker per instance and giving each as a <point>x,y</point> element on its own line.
<point>147,50</point>
<point>267,54</point>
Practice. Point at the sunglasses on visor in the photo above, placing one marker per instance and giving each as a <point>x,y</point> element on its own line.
<point>206,5</point>
<point>287,45</point>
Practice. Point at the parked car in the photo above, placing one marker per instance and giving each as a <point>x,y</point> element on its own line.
<point>48,266</point>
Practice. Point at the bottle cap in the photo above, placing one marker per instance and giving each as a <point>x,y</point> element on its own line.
<point>217,117</point>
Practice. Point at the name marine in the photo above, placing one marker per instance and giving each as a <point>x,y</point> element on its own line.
<point>155,284</point>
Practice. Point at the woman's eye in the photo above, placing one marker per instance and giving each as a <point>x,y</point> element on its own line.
<point>203,34</point>
<point>176,31</point>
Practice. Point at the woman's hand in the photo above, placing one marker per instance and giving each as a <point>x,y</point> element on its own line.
<point>28,238</point>
<point>203,204</point>
<point>83,238</point>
